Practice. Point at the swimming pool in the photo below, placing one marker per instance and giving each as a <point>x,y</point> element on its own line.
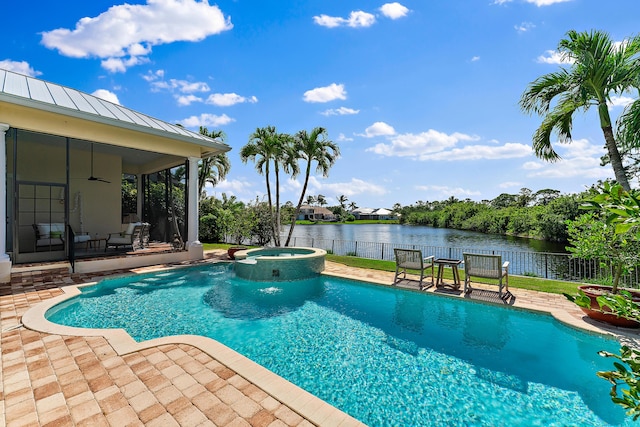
<point>386,356</point>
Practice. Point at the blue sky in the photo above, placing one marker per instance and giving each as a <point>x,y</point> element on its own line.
<point>421,96</point>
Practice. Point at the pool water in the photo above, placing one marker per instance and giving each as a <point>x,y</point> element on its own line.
<point>386,356</point>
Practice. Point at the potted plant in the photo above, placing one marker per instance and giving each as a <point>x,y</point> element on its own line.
<point>606,234</point>
<point>231,251</point>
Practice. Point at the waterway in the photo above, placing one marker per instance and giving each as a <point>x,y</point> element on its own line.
<point>424,236</point>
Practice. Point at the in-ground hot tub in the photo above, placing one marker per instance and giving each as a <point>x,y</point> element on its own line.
<point>276,264</point>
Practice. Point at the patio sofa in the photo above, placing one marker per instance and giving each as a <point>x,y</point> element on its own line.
<point>50,234</point>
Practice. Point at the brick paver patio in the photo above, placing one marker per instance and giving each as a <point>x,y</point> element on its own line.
<point>56,380</point>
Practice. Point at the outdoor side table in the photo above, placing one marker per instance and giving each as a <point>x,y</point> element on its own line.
<point>96,242</point>
<point>453,263</point>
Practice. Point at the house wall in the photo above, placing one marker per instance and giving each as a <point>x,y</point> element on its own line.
<point>101,201</point>
<point>42,158</point>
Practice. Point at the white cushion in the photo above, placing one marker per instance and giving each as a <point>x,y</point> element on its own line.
<point>45,229</point>
<point>81,238</point>
<point>131,226</point>
<point>113,240</point>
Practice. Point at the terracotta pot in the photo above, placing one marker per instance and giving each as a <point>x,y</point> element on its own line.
<point>603,315</point>
<point>233,249</point>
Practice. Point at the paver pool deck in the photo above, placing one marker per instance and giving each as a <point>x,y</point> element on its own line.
<point>48,378</point>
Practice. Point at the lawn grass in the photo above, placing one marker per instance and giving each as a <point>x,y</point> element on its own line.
<point>517,282</point>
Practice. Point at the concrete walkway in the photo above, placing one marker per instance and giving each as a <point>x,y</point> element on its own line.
<point>49,379</point>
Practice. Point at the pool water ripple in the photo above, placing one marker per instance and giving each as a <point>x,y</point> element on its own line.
<point>386,356</point>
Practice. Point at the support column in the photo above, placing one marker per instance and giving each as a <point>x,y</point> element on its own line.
<point>140,190</point>
<point>193,244</point>
<point>5,261</point>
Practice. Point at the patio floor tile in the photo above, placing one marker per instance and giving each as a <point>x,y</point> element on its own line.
<point>54,380</point>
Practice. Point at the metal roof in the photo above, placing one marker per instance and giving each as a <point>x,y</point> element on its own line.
<point>39,94</point>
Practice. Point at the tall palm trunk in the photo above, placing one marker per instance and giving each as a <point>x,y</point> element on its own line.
<point>266,173</point>
<point>300,201</point>
<point>276,232</point>
<point>610,143</point>
<point>615,158</point>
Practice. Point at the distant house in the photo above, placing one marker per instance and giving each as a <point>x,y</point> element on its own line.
<point>315,213</point>
<point>375,214</point>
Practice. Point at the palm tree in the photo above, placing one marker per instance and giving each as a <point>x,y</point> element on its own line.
<point>599,69</point>
<point>322,201</point>
<point>263,148</point>
<point>215,168</point>
<point>353,206</point>
<point>310,200</point>
<point>342,199</point>
<point>287,160</point>
<point>313,147</point>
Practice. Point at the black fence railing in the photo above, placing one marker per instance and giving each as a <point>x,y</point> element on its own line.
<point>560,266</point>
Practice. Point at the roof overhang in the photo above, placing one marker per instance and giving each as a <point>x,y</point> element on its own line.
<point>35,105</point>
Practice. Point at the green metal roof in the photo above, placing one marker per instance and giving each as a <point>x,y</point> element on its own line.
<point>42,95</point>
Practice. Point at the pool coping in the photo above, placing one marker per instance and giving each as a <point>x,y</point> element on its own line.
<point>299,400</point>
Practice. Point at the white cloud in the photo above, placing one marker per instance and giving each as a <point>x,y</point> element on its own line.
<point>227,99</point>
<point>325,94</point>
<point>342,137</point>
<point>342,111</point>
<point>554,57</point>
<point>579,158</point>
<point>356,19</point>
<point>184,100</point>
<point>20,67</point>
<point>106,95</point>
<point>153,76</point>
<point>124,35</point>
<point>619,101</point>
<point>475,58</point>
<point>378,129</point>
<point>175,85</point>
<point>445,191</point>
<point>510,184</point>
<point>524,27</point>
<point>234,186</point>
<point>206,120</point>
<point>509,150</point>
<point>419,145</point>
<point>394,10</point>
<point>351,188</point>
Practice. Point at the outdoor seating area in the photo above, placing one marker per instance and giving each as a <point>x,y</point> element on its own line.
<point>478,266</point>
<point>412,259</point>
<point>53,234</point>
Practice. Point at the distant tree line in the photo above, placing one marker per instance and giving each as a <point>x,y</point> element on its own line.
<point>541,215</point>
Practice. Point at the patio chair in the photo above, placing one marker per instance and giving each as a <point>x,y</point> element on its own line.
<point>132,236</point>
<point>411,259</point>
<point>486,267</point>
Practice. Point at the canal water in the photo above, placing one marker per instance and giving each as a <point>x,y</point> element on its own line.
<point>423,236</point>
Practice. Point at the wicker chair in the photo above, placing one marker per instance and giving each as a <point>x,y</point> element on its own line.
<point>411,259</point>
<point>487,267</point>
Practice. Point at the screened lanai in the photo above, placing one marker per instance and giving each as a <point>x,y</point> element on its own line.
<point>71,158</point>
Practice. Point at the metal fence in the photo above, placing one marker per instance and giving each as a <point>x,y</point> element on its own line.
<point>560,266</point>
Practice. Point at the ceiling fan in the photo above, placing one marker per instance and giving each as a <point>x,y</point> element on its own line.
<point>93,178</point>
